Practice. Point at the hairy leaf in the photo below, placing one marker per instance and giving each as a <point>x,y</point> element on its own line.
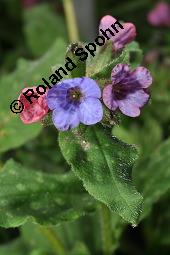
<point>43,198</point>
<point>80,69</point>
<point>13,132</point>
<point>104,164</point>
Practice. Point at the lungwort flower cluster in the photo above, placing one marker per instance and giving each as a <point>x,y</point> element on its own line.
<point>79,100</point>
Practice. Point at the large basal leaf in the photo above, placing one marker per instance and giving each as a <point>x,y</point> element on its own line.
<point>104,164</point>
<point>13,132</point>
<point>153,177</point>
<point>43,198</point>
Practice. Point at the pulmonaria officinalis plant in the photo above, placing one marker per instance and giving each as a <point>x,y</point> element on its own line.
<point>79,106</point>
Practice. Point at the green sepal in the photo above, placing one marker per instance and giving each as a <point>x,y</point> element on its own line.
<point>101,66</point>
<point>80,70</point>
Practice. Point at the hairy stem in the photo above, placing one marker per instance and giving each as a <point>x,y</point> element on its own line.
<point>52,238</point>
<point>106,231</point>
<point>71,20</point>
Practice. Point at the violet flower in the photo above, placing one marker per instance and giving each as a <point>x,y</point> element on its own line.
<point>123,37</point>
<point>128,89</point>
<point>160,15</point>
<point>73,101</point>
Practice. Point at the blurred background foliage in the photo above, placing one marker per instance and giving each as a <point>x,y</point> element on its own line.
<point>33,36</point>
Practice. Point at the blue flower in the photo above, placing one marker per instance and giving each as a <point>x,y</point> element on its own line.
<point>73,101</point>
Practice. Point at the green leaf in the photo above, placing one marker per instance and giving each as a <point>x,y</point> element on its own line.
<point>33,237</point>
<point>101,66</point>
<point>104,164</point>
<point>153,177</point>
<point>42,26</point>
<point>16,247</point>
<point>80,69</point>
<point>38,197</point>
<point>13,132</point>
<point>42,154</point>
<point>135,54</point>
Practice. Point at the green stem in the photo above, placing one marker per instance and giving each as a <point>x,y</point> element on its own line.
<point>55,242</point>
<point>71,20</point>
<point>106,231</point>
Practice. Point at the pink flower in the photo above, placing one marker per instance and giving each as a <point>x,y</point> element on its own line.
<point>37,110</point>
<point>127,92</point>
<point>160,15</point>
<point>123,37</point>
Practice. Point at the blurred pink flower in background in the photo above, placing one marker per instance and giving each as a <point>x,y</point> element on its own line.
<point>160,15</point>
<point>37,110</point>
<point>29,3</point>
<point>123,37</point>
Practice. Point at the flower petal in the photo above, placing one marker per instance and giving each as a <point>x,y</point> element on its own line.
<point>131,80</point>
<point>56,96</point>
<point>141,77</point>
<point>119,72</point>
<point>64,120</point>
<point>129,109</point>
<point>90,88</point>
<point>90,111</point>
<point>131,104</point>
<point>106,23</point>
<point>124,36</point>
<point>109,98</point>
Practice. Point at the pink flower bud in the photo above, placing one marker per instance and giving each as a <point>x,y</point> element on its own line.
<point>37,110</point>
<point>120,39</point>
